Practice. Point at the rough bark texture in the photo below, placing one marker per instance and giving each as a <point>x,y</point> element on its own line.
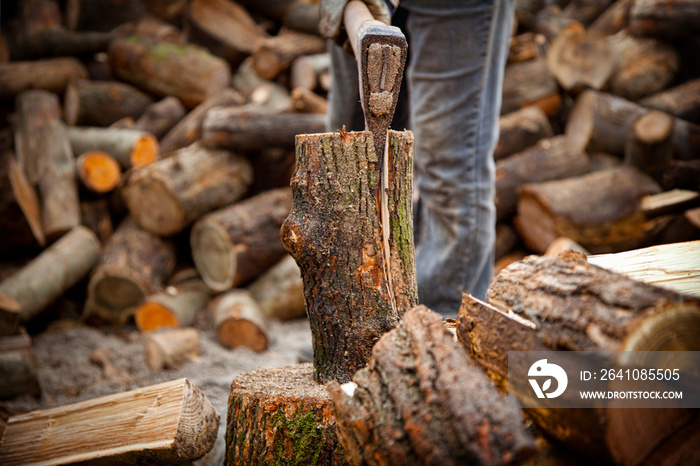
<point>662,19</point>
<point>101,103</point>
<point>101,15</point>
<point>521,129</point>
<point>170,349</point>
<point>280,291</point>
<point>275,54</point>
<point>358,278</point>
<point>530,83</point>
<point>52,74</point>
<point>239,321</point>
<point>613,19</point>
<point>281,416</point>
<point>682,101</point>
<point>421,401</point>
<point>161,117</point>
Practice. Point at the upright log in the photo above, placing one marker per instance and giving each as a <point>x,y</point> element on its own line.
<point>351,232</point>
<point>101,103</point>
<point>51,74</point>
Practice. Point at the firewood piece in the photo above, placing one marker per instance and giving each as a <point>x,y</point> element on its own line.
<point>693,217</point>
<point>186,71</point>
<point>551,159</point>
<point>52,272</point>
<point>306,101</point>
<point>301,15</point>
<point>227,22</point>
<point>521,129</point>
<point>133,263</point>
<point>52,74</point>
<point>170,349</point>
<point>272,168</point>
<point>165,9</point>
<point>101,15</point>
<point>614,19</point>
<point>168,195</point>
<point>657,18</point>
<point>36,111</point>
<point>563,244</point>
<point>281,415</point>
<point>649,144</point>
<point>238,320</point>
<point>235,244</point>
<point>674,201</point>
<point>168,423</point>
<point>101,103</point>
<point>530,83</point>
<point>188,130</point>
<point>98,171</point>
<point>129,147</point>
<point>682,101</point>
<point>550,22</point>
<point>58,42</point>
<point>251,128</point>
<point>176,306</point>
<point>609,220</point>
<point>275,54</point>
<point>96,216</point>
<point>683,174</point>
<point>405,407</point>
<point>161,117</point>
<point>18,373</point>
<point>526,46</point>
<point>9,315</point>
<point>279,292</point>
<point>272,96</point>
<point>506,239</point>
<point>585,11</point>
<point>369,280</point>
<point>580,60</point>
<point>153,27</point>
<point>305,70</point>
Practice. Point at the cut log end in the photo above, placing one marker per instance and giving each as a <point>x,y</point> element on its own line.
<point>239,321</point>
<point>240,332</point>
<point>213,255</point>
<point>115,296</point>
<point>99,171</point>
<point>159,210</point>
<point>145,151</point>
<point>170,349</point>
<point>653,127</point>
<point>151,316</point>
<point>675,329</point>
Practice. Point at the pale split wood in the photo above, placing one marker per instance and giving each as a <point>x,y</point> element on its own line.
<point>171,348</point>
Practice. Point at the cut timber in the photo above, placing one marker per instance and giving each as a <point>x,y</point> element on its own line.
<point>614,19</point>
<point>608,221</point>
<point>165,9</point>
<point>280,292</point>
<point>305,70</point>
<point>563,244</point>
<point>161,117</point>
<point>281,416</point>
<point>129,147</point>
<point>98,171</point>
<point>51,74</point>
<point>239,321</point>
<point>251,128</point>
<point>168,195</point>
<point>550,22</point>
<point>521,129</point>
<point>17,366</point>
<point>682,101</point>
<point>227,22</point>
<point>683,174</point>
<point>170,349</point>
<point>563,303</point>
<point>530,83</point>
<point>185,71</point>
<point>506,239</point>
<point>422,401</point>
<point>526,46</point>
<point>169,423</point>
<point>153,27</point>
<point>53,272</point>
<point>272,96</point>
<point>674,266</point>
<point>306,101</point>
<point>101,103</point>
<point>101,15</point>
<point>676,20</point>
<point>585,11</point>
<point>96,216</point>
<point>275,54</point>
<point>36,111</point>
<point>359,278</point>
<point>132,265</point>
<point>649,146</point>
<point>551,159</point>
<point>301,15</point>
<point>235,244</point>
<point>674,201</point>
<point>176,306</point>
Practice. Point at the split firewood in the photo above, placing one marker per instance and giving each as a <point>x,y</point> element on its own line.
<point>551,159</point>
<point>406,407</point>
<point>185,71</point>
<point>129,147</point>
<point>554,303</point>
<point>306,70</point>
<point>360,294</point>
<point>614,19</point>
<point>168,423</point>
<point>171,348</point>
<point>585,11</point>
<point>98,171</point>
<point>281,415</point>
<point>306,101</point>
<point>95,215</point>
<point>236,244</point>
<point>239,321</point>
<point>275,54</point>
<point>101,103</point>
<point>101,15</point>
<point>161,117</point>
<point>674,201</point>
<point>682,101</point>
<point>133,264</point>
<point>530,83</point>
<point>53,272</point>
<point>658,18</point>
<point>168,195</point>
<point>153,27</point>
<point>279,292</point>
<point>176,306</point>
<point>52,74</point>
<point>649,146</point>
<point>609,220</point>
<point>18,373</point>
<point>521,129</point>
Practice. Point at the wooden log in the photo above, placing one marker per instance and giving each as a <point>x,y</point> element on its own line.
<point>657,18</point>
<point>649,145</point>
<point>305,70</point>
<point>165,9</point>
<point>236,244</point>
<point>306,101</point>
<point>96,216</point>
<point>133,263</point>
<point>669,202</point>
<point>251,128</point>
<point>101,15</point>
<point>506,239</point>
<point>161,117</point>
<point>272,168</point>
<point>554,303</point>
<point>35,112</point>
<point>153,27</point>
<point>275,54</point>
<point>239,321</point>
<point>530,83</point>
<point>281,415</point>
<point>682,101</point>
<point>18,374</point>
<point>262,92</point>
<point>170,349</point>
<point>550,22</point>
<point>353,298</point>
<point>609,219</point>
<point>683,174</point>
<point>186,71</point>
<point>693,217</point>
<point>614,19</point>
<point>188,130</point>
<point>563,244</point>
<point>521,129</point>
<point>168,195</point>
<point>51,74</point>
<point>98,171</point>
<point>585,11</point>
<point>550,159</point>
<point>524,47</point>
<point>101,103</point>
<point>300,15</point>
<point>52,272</point>
<point>129,147</point>
<point>279,292</point>
<point>168,423</point>
<point>176,306</point>
<point>405,407</point>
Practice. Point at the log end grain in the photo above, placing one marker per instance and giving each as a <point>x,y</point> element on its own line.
<point>152,316</point>
<point>170,349</point>
<point>213,254</point>
<point>239,320</point>
<point>98,171</point>
<point>145,151</point>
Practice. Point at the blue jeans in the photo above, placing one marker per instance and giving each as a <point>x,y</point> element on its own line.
<point>457,54</point>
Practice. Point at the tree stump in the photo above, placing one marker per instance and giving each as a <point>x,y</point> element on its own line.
<point>351,233</point>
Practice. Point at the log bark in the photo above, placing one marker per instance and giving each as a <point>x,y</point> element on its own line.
<point>98,171</point>
<point>96,216</point>
<point>176,306</point>
<point>165,9</point>
<point>153,27</point>
<point>585,11</point>
<point>649,146</point>
<point>506,239</point>
<point>170,349</point>
<point>669,202</point>
<point>525,46</point>
<point>550,159</point>
<point>52,272</point>
<point>272,96</point>
<point>306,101</point>
<point>657,18</point>
<point>101,103</point>
<point>161,117</point>
<point>133,263</point>
<point>521,129</point>
<point>168,423</point>
<point>530,83</point>
<point>239,321</point>
<point>168,195</point>
<point>305,70</point>
<point>683,175</point>
<point>281,416</point>
<point>357,281</point>
<point>276,54</point>
<point>18,374</point>
<point>563,244</point>
<point>301,15</point>
<point>279,292</point>
<point>51,74</point>
<point>682,101</point>
<point>185,71</point>
<point>101,15</point>
<point>405,407</point>
<point>130,148</point>
<point>608,221</point>
<point>614,19</point>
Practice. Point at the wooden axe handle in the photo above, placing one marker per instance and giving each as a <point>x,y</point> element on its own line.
<point>356,16</point>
